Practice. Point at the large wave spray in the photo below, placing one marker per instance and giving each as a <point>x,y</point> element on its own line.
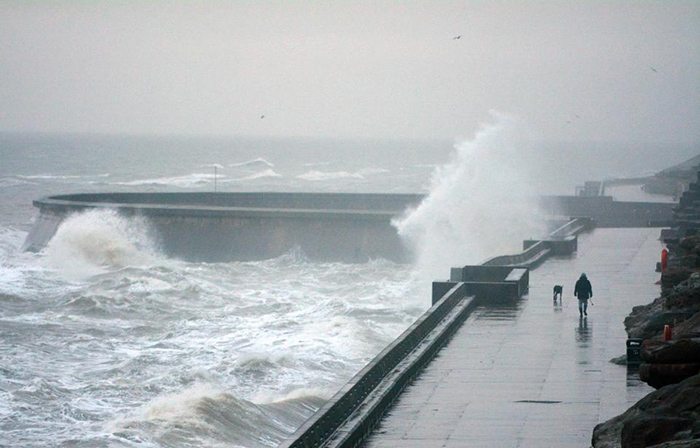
<point>97,241</point>
<point>481,204</point>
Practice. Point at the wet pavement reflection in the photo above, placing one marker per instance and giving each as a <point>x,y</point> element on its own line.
<point>583,332</point>
<point>530,372</point>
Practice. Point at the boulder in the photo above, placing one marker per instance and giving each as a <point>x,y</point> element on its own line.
<point>659,375</point>
<point>648,431</point>
<point>690,243</point>
<point>679,444</point>
<point>643,322</point>
<point>665,363</point>
<point>672,352</point>
<point>676,305</point>
<point>669,416</point>
<point>674,276</point>
<point>689,328</point>
<point>685,295</point>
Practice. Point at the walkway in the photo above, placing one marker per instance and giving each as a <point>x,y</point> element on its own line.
<point>530,374</point>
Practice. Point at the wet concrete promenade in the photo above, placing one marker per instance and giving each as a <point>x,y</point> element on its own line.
<point>527,373</point>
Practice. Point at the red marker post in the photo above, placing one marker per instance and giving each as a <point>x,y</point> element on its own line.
<point>664,259</point>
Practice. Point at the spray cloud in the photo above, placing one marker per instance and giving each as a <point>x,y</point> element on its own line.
<point>480,204</point>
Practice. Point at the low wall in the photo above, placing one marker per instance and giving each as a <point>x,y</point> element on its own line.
<point>561,241</point>
<point>565,246</point>
<point>494,282</point>
<point>531,257</point>
<point>352,413</point>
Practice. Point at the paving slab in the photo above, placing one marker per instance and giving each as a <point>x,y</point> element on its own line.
<point>527,372</point>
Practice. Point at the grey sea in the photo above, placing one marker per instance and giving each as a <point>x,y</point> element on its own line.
<point>104,341</point>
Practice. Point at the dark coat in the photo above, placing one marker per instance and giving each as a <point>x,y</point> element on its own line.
<point>583,289</point>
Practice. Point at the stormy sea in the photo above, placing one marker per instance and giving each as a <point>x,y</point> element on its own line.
<point>105,341</point>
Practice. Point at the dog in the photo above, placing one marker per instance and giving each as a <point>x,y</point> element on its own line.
<point>558,289</point>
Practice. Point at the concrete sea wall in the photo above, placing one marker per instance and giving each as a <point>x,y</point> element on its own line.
<point>325,226</point>
<point>607,212</point>
<point>248,226</point>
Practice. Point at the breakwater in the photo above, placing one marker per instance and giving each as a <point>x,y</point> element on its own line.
<point>247,226</point>
<point>325,226</point>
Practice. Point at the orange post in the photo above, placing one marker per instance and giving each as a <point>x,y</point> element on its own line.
<point>664,259</point>
<point>667,333</point>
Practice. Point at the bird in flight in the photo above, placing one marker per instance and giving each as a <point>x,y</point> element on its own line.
<point>653,70</point>
<point>457,37</point>
<point>262,116</point>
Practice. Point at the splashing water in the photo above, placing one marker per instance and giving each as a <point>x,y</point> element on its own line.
<point>480,204</point>
<point>98,241</point>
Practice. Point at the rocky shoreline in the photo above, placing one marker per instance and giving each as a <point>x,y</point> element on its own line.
<point>669,331</point>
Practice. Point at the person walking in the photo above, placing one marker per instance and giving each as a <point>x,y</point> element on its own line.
<point>583,291</point>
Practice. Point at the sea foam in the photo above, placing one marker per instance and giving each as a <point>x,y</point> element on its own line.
<point>315,175</point>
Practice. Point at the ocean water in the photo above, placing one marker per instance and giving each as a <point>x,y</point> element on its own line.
<point>106,342</point>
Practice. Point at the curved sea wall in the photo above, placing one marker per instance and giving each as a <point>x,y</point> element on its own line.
<point>247,226</point>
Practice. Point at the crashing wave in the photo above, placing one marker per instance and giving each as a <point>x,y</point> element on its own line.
<point>96,241</point>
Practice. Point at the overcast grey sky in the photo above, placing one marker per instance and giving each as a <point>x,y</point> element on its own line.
<point>619,71</point>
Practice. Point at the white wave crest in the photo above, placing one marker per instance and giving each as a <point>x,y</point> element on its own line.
<point>97,241</point>
<point>12,181</point>
<point>62,176</point>
<point>261,175</point>
<point>182,405</point>
<point>315,175</point>
<point>187,181</point>
<point>254,162</point>
<point>302,393</point>
<point>218,166</point>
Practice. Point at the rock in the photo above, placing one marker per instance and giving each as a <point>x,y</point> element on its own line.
<point>670,413</point>
<point>658,375</point>
<point>669,362</point>
<point>647,431</point>
<point>679,444</point>
<point>673,352</point>
<point>674,276</point>
<point>676,305</point>
<point>639,323</point>
<point>685,295</point>
<point>620,360</point>
<point>690,243</point>
<point>690,328</point>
